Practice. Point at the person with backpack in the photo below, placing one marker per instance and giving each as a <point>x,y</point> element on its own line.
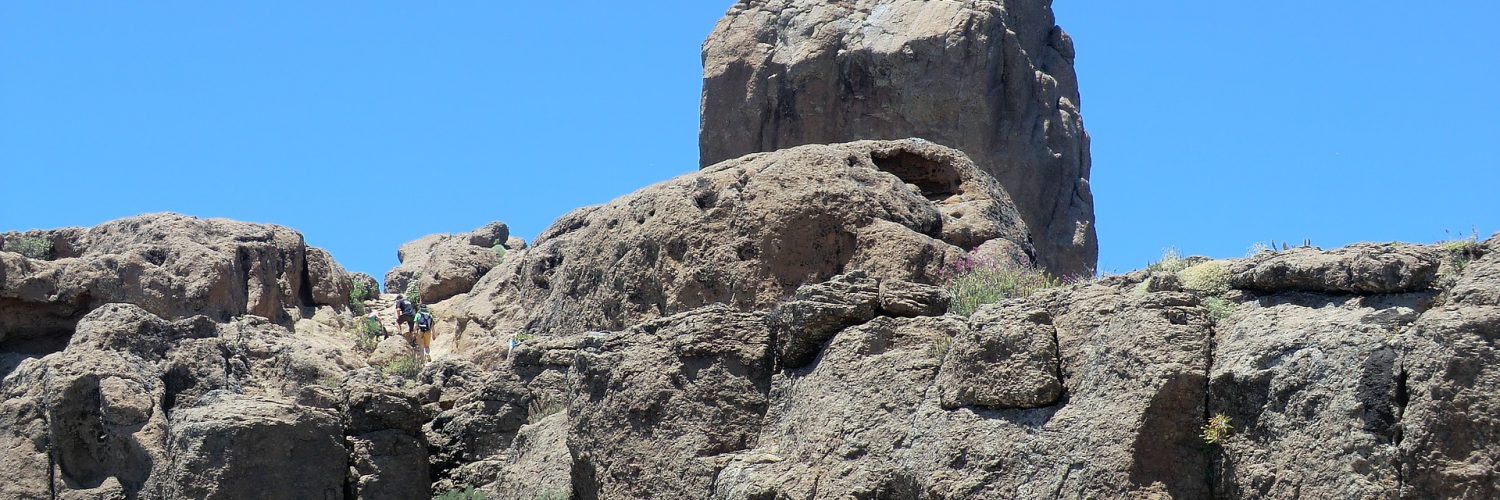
<point>424,331</point>
<point>404,314</point>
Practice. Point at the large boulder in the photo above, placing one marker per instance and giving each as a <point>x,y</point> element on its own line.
<point>747,232</point>
<point>170,265</point>
<point>992,78</point>
<point>444,265</point>
<point>240,447</point>
<point>110,406</point>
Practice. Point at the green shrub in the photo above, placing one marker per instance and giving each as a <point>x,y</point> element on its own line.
<point>368,333</point>
<point>413,292</point>
<point>1218,308</point>
<point>30,247</point>
<point>1210,277</point>
<point>1217,429</point>
<point>1170,262</point>
<point>976,280</point>
<point>500,250</point>
<point>406,366</point>
<point>468,493</point>
<point>1457,254</point>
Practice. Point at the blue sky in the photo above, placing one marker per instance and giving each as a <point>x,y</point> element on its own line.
<point>1215,124</point>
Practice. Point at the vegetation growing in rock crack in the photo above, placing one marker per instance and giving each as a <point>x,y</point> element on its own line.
<point>939,349</point>
<point>30,247</point>
<point>367,334</point>
<point>500,250</point>
<point>404,366</point>
<point>358,294</point>
<point>468,493</point>
<point>1218,308</point>
<point>1457,254</point>
<point>543,406</point>
<point>977,280</point>
<point>414,293</point>
<point>1217,429</point>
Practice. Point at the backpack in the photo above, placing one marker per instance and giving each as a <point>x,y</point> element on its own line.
<point>424,320</point>
<point>405,307</point>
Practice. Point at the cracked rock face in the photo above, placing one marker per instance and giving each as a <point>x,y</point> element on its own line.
<point>992,78</point>
<point>170,265</point>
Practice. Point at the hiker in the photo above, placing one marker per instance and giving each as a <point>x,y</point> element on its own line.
<point>404,314</point>
<point>424,331</point>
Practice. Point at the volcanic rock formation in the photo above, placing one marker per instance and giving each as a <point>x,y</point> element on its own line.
<point>747,232</point>
<point>444,265</point>
<point>992,78</point>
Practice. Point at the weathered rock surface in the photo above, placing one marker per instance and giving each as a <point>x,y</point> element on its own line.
<point>992,78</point>
<point>444,265</point>
<point>1348,373</point>
<point>1361,268</point>
<point>654,405</point>
<point>747,232</point>
<point>170,265</point>
<point>150,408</point>
<point>238,447</point>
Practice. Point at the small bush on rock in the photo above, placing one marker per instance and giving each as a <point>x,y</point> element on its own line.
<point>1217,429</point>
<point>977,280</point>
<point>31,248</point>
<point>1218,308</point>
<point>407,367</point>
<point>1210,277</point>
<point>464,494</point>
<point>1170,262</point>
<point>500,250</point>
<point>368,333</point>
<point>413,293</point>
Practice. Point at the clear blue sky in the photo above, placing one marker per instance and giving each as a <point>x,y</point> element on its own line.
<point>1215,124</point>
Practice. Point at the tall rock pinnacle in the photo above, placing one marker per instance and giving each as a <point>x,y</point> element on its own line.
<point>992,78</point>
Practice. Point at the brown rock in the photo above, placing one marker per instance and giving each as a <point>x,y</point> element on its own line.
<point>748,232</point>
<point>992,78</point>
<point>1360,268</point>
<point>444,265</point>
<point>1006,358</point>
<point>170,265</point>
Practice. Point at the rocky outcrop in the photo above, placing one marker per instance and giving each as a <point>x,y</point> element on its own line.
<point>170,265</point>
<point>191,408</point>
<point>444,265</point>
<point>992,78</point>
<point>748,232</point>
<point>1098,390</point>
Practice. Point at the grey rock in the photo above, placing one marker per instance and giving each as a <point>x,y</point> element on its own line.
<point>389,464</point>
<point>904,298</point>
<point>1006,358</point>
<point>1309,385</point>
<point>652,405</point>
<point>992,78</point>
<point>234,446</point>
<point>1360,268</point>
<point>819,311</point>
